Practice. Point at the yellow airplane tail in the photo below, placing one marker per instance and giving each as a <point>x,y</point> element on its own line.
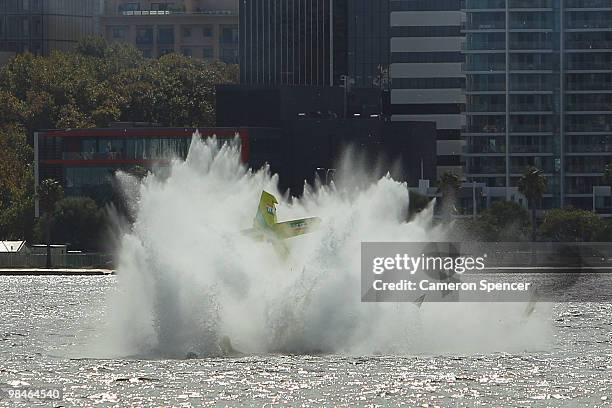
<point>266,212</point>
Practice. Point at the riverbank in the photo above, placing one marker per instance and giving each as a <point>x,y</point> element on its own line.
<point>55,272</point>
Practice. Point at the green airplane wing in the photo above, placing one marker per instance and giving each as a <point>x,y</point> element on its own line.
<point>290,229</point>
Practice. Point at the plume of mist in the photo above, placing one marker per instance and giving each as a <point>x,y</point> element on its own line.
<point>188,277</point>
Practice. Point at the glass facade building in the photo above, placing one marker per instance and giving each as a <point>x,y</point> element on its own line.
<point>314,42</point>
<point>40,26</point>
<point>539,93</point>
<point>85,160</point>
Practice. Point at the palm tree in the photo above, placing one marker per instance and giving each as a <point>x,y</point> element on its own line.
<point>448,186</point>
<point>49,193</point>
<point>533,186</point>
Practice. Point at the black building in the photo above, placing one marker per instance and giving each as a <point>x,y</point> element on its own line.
<point>314,42</point>
<point>314,135</point>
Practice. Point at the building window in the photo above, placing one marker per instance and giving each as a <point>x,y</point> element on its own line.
<point>144,35</point>
<point>147,53</point>
<point>208,52</point>
<point>165,51</point>
<point>119,33</point>
<point>36,27</point>
<point>229,55</point>
<point>161,6</point>
<point>187,52</point>
<point>229,34</point>
<point>129,7</point>
<point>165,35</point>
<point>207,31</point>
<point>186,32</point>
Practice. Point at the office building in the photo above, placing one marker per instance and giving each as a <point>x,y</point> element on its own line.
<point>539,93</point>
<point>426,77</point>
<point>41,26</point>
<point>314,42</point>
<point>84,161</point>
<point>314,133</point>
<point>205,29</point>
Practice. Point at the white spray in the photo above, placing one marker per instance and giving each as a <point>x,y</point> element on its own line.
<point>187,276</point>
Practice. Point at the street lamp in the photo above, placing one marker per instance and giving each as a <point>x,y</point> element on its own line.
<point>327,171</point>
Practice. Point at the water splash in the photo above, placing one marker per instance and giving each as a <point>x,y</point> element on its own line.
<point>188,277</point>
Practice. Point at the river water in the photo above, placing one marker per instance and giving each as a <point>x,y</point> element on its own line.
<point>46,324</point>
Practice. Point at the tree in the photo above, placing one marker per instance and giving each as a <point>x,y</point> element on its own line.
<point>16,185</point>
<point>572,225</point>
<point>448,186</point>
<point>49,193</point>
<point>533,186</point>
<point>507,221</point>
<point>97,84</point>
<point>78,222</point>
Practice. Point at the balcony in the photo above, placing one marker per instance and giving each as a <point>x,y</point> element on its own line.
<point>592,167</point>
<point>145,12</point>
<point>520,168</point>
<point>520,24</point>
<point>530,107</point>
<point>594,107</point>
<point>491,67</point>
<point>493,104</point>
<point>589,148</point>
<point>589,65</point>
<point>486,169</point>
<point>483,4</point>
<point>588,85</point>
<point>588,4</point>
<point>588,24</point>
<point>591,127</point>
<point>531,127</point>
<point>528,4</point>
<point>530,45</point>
<point>488,129</point>
<point>485,25</point>
<point>530,66</point>
<point>531,148</point>
<point>589,45</point>
<point>478,46</point>
<point>484,149</point>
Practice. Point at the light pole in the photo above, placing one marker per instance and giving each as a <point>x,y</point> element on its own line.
<point>327,171</point>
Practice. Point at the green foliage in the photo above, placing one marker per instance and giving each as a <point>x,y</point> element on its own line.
<point>49,193</point>
<point>449,183</point>
<point>93,47</point>
<point>572,225</point>
<point>78,221</point>
<point>97,84</point>
<point>16,185</point>
<point>100,83</point>
<point>532,185</point>
<point>504,221</point>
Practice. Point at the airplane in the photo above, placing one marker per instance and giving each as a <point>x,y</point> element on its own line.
<point>267,228</point>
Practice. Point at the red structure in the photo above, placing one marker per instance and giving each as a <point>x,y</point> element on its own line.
<point>85,160</point>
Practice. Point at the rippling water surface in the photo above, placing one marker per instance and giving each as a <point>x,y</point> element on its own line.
<point>45,324</point>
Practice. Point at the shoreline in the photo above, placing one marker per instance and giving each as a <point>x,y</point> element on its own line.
<point>56,272</point>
